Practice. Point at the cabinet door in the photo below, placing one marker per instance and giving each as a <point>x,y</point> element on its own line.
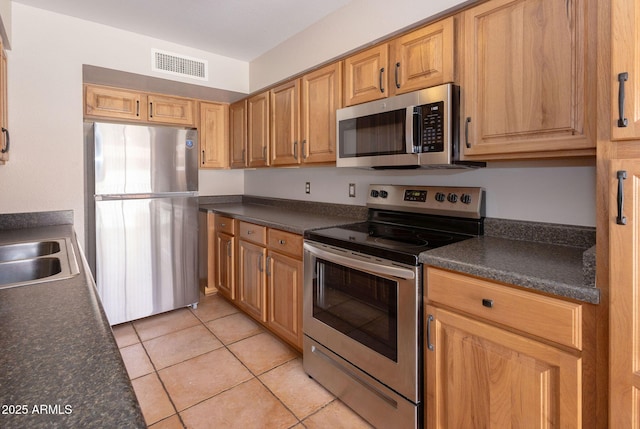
<point>252,296</point>
<point>225,266</point>
<point>624,278</point>
<point>214,135</point>
<point>284,277</point>
<point>285,123</point>
<point>625,69</point>
<point>4,111</point>
<point>238,133</point>
<point>321,97</point>
<point>366,75</point>
<point>113,103</point>
<point>208,270</point>
<point>423,58</point>
<point>258,130</point>
<point>529,83</point>
<point>171,110</point>
<point>478,375</point>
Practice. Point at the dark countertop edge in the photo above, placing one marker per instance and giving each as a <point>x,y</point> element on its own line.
<point>9,221</point>
<point>122,402</point>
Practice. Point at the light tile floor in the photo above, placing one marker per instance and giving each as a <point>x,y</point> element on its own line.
<point>214,367</point>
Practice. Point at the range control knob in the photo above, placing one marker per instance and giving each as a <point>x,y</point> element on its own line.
<point>384,194</point>
<point>440,197</point>
<point>465,198</point>
<point>374,193</point>
<point>452,198</point>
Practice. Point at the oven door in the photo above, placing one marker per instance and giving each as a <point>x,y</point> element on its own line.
<point>366,310</point>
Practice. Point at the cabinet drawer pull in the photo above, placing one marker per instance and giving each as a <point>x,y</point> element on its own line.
<point>487,303</point>
<point>622,78</point>
<point>250,232</point>
<point>203,157</point>
<point>466,132</point>
<point>429,320</point>
<point>151,110</point>
<point>283,242</point>
<point>5,149</point>
<point>381,80</point>
<point>137,107</point>
<point>621,219</point>
<point>397,77</point>
<point>295,150</point>
<point>222,225</point>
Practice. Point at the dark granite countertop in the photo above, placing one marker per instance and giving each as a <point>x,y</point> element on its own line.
<point>296,219</point>
<point>544,267</point>
<point>551,258</point>
<point>60,363</point>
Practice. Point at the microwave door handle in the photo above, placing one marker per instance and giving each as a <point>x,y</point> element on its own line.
<point>411,129</point>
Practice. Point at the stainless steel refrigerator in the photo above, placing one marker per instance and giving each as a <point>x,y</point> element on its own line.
<point>142,217</point>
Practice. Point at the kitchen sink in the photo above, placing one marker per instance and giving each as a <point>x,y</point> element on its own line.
<point>27,270</point>
<point>32,249</point>
<point>32,262</point>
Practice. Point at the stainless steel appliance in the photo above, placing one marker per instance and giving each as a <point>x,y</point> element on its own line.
<point>142,217</point>
<point>363,297</point>
<point>413,130</point>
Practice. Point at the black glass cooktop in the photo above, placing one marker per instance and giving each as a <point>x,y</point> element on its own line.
<point>399,243</point>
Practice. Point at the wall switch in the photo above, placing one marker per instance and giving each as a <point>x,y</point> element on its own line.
<point>307,187</point>
<point>352,190</point>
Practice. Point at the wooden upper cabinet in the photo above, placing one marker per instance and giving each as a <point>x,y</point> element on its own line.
<point>365,75</point>
<point>321,97</point>
<point>214,135</point>
<point>422,58</point>
<point>128,105</point>
<point>285,123</point>
<point>171,110</point>
<point>115,103</point>
<point>528,86</point>
<point>258,130</point>
<point>238,133</point>
<point>625,69</point>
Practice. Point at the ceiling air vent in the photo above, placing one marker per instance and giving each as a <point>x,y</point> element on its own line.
<point>179,65</point>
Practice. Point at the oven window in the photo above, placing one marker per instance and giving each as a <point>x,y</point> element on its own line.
<point>379,134</point>
<point>358,304</point>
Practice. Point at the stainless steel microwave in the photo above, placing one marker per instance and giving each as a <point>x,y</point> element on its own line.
<point>415,130</point>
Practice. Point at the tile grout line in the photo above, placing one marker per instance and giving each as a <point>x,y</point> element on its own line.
<point>161,381</point>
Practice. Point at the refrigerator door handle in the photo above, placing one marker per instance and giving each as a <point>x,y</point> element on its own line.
<point>112,197</point>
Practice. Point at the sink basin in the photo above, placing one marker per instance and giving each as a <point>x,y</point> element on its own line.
<point>27,270</point>
<point>28,250</point>
<point>32,262</point>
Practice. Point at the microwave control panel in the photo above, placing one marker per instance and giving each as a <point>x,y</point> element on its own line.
<point>432,127</point>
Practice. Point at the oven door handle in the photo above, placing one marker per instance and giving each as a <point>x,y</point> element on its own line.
<point>372,267</point>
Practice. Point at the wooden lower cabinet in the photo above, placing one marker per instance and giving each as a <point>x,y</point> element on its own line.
<point>498,356</point>
<point>224,251</point>
<point>284,280</point>
<point>252,280</point>
<point>482,376</point>
<point>225,254</point>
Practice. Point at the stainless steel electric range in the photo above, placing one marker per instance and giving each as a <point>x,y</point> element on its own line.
<point>363,297</point>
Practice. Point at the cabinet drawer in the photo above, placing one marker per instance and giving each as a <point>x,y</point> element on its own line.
<point>254,233</point>
<point>285,242</point>
<point>225,224</point>
<point>542,316</point>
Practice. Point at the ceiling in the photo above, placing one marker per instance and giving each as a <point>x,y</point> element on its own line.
<point>240,29</point>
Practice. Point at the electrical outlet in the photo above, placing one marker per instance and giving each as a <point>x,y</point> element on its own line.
<point>352,190</point>
<point>307,187</point>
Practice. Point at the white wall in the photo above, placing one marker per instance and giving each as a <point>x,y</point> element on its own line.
<point>555,192</point>
<point>45,171</point>
<point>359,23</point>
